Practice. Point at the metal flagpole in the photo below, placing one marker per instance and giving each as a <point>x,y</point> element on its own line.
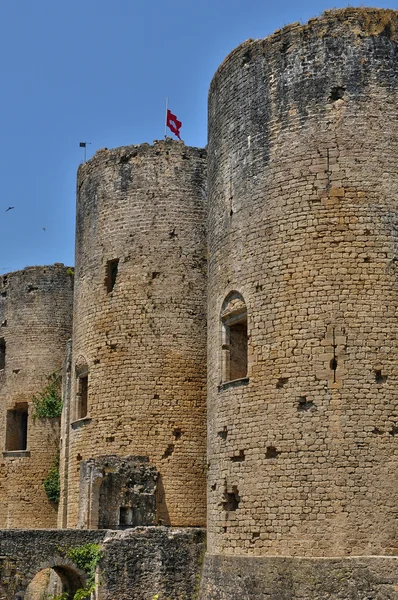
<point>84,145</point>
<point>165,122</point>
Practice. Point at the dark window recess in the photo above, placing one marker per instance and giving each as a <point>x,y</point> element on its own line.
<point>169,451</point>
<point>177,432</point>
<point>126,516</point>
<point>337,93</point>
<point>224,433</point>
<point>304,404</point>
<point>2,353</point>
<point>234,338</point>
<point>272,452</point>
<point>238,351</point>
<point>282,381</point>
<point>232,500</point>
<point>238,457</point>
<point>17,428</point>
<point>82,397</point>
<point>111,274</point>
<point>379,377</point>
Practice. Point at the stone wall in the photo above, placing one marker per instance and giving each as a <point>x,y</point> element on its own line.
<point>35,323</point>
<point>303,222</point>
<point>136,564</point>
<point>139,339</point>
<point>141,563</point>
<point>273,578</point>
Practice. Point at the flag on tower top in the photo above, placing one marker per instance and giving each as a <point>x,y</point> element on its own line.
<point>173,123</point>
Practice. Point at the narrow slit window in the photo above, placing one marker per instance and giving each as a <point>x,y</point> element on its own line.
<point>234,338</point>
<point>2,353</point>
<point>17,428</point>
<point>82,396</point>
<point>111,274</point>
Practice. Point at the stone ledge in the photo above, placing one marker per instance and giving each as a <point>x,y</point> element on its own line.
<point>233,384</point>
<point>16,453</point>
<point>81,422</point>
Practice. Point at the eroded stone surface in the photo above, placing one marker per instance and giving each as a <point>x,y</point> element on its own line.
<point>137,564</point>
<point>116,493</point>
<point>272,578</point>
<point>303,221</point>
<point>35,323</point>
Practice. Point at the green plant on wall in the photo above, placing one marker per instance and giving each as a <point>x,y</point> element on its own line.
<point>86,558</point>
<point>48,402</point>
<point>51,483</point>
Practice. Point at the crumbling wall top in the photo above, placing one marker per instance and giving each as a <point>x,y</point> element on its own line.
<point>127,154</point>
<point>358,22</point>
<point>35,272</point>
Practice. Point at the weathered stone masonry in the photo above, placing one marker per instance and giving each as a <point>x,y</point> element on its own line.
<point>35,323</point>
<point>137,563</point>
<point>303,221</point>
<point>139,334</point>
<point>301,224</point>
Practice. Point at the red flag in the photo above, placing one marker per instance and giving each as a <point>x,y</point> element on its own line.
<point>173,123</point>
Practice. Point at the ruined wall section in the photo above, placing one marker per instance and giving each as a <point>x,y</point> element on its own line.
<point>303,222</point>
<point>139,337</point>
<point>35,324</point>
<point>139,563</point>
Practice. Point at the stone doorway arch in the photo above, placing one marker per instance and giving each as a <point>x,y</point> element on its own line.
<point>53,581</point>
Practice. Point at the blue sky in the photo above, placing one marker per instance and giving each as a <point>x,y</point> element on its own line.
<point>99,70</point>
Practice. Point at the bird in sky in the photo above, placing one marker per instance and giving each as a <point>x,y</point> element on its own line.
<point>43,228</point>
<point>10,208</point>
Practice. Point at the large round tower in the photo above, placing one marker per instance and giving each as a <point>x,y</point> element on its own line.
<point>303,302</point>
<point>138,370</point>
<point>35,324</point>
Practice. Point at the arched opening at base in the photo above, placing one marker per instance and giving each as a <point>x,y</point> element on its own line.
<point>54,583</point>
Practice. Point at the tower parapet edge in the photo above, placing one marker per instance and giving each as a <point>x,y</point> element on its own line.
<point>139,343</point>
<point>35,324</point>
<point>302,219</point>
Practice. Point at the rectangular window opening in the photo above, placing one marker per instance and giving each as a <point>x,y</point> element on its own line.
<point>238,350</point>
<point>2,353</point>
<point>82,396</point>
<point>126,516</point>
<point>111,274</point>
<point>17,428</point>
<point>234,339</point>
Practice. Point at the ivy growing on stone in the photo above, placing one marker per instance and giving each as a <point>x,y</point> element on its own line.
<point>48,403</point>
<point>51,483</point>
<point>86,558</point>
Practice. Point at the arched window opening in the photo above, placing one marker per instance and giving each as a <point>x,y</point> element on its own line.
<point>234,338</point>
<point>81,370</point>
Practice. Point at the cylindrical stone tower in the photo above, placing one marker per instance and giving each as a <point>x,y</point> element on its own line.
<point>35,324</point>
<point>303,301</point>
<point>138,370</point>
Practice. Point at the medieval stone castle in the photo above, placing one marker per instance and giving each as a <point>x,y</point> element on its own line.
<point>232,317</point>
